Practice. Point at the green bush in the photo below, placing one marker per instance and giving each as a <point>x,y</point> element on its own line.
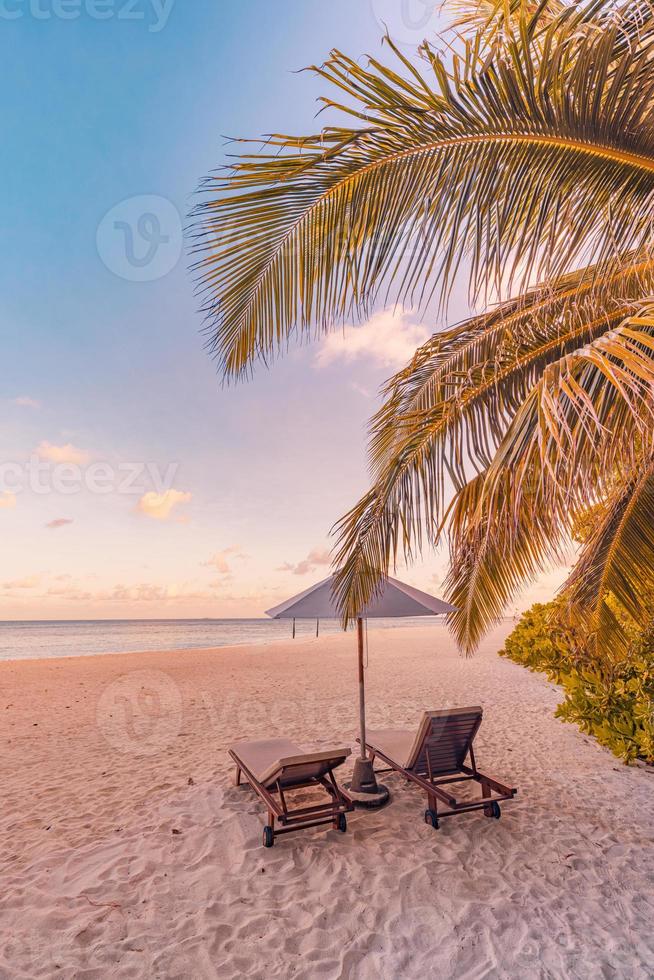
<point>612,702</point>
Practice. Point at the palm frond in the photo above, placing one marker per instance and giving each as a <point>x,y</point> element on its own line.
<point>496,357</point>
<point>448,412</point>
<point>617,563</point>
<point>521,162</point>
<point>523,154</point>
<point>506,16</point>
<point>493,16</point>
<point>590,409</point>
<point>494,552</point>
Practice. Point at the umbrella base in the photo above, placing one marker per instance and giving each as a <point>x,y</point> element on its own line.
<point>364,790</point>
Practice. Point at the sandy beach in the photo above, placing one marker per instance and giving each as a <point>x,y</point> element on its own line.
<point>127,852</point>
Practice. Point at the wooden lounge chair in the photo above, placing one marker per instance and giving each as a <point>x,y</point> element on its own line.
<point>275,766</point>
<point>435,758</point>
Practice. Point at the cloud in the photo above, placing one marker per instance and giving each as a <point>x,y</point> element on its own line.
<point>58,522</point>
<point>147,592</point>
<point>62,454</point>
<point>26,402</point>
<point>315,559</point>
<point>65,588</point>
<point>387,339</point>
<point>141,592</point>
<point>160,506</point>
<point>220,560</point>
<point>7,500</point>
<point>58,589</point>
<point>361,389</point>
<point>67,592</point>
<point>31,582</point>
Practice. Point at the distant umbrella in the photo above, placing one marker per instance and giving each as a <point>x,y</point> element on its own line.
<point>396,599</point>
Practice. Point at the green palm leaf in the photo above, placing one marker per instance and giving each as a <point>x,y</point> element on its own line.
<point>494,553</point>
<point>520,161</point>
<point>525,154</point>
<point>557,458</point>
<point>617,562</point>
<point>434,432</point>
<point>496,357</point>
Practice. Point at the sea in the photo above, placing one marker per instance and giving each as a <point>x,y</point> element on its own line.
<point>33,640</point>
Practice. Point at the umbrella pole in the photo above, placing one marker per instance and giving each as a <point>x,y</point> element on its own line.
<point>364,789</point>
<point>362,689</point>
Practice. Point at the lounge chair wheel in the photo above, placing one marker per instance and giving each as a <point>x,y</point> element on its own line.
<point>495,810</point>
<point>431,817</point>
<point>268,836</point>
<point>342,823</point>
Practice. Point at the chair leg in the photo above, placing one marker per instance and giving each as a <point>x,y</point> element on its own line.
<point>485,792</point>
<point>237,780</point>
<point>269,831</point>
<point>431,813</point>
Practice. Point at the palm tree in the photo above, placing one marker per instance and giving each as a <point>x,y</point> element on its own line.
<point>522,155</point>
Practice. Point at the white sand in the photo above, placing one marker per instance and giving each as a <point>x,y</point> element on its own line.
<point>94,884</point>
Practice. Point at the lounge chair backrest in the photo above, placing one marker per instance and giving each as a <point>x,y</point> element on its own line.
<point>298,769</point>
<point>445,738</point>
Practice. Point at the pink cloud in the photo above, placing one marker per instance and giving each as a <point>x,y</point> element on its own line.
<point>25,402</point>
<point>62,454</point>
<point>221,561</point>
<point>388,339</point>
<point>160,506</point>
<point>58,522</point>
<point>316,558</point>
<point>30,582</point>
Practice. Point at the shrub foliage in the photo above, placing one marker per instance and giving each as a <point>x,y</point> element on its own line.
<point>613,702</point>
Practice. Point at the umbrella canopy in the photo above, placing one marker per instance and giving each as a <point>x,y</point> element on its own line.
<point>395,600</point>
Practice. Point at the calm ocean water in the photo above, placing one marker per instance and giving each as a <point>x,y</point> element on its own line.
<point>32,640</point>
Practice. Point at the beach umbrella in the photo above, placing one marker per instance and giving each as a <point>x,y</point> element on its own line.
<point>395,599</point>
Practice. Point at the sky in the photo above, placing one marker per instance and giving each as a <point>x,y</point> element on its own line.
<point>133,484</point>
